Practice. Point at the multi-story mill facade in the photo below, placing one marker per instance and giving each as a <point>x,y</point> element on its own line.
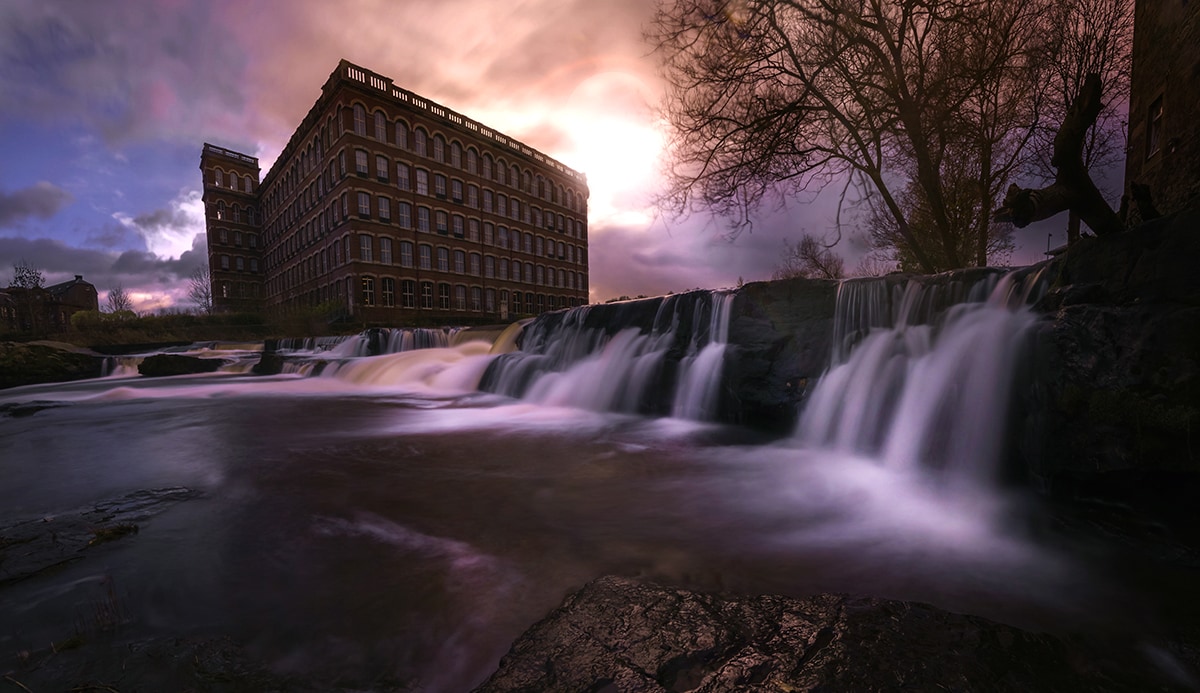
<point>395,209</point>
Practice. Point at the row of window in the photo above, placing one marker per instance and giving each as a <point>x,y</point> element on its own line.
<point>231,180</point>
<point>234,213</point>
<point>427,220</point>
<point>425,257</point>
<point>436,147</point>
<point>250,239</point>
<point>239,263</point>
<point>458,297</point>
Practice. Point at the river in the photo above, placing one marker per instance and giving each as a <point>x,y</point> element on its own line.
<point>390,522</point>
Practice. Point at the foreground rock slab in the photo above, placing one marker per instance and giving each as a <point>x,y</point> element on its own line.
<point>621,635</point>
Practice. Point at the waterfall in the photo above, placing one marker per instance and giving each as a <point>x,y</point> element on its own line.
<point>383,340</point>
<point>921,374</point>
<point>653,356</point>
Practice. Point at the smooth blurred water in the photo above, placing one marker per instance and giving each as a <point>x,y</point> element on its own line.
<point>402,525</point>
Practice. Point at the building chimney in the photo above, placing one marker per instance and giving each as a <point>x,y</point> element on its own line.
<point>79,277</point>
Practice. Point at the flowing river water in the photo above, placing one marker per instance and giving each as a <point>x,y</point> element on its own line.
<point>388,520</point>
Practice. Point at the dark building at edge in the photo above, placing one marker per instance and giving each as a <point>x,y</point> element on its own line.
<point>394,209</point>
<point>1164,104</point>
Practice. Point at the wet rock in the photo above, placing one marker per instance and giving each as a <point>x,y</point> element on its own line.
<point>35,546</point>
<point>1116,395</point>
<point>161,365</point>
<point>270,363</point>
<point>30,364</point>
<point>780,334</point>
<point>622,635</point>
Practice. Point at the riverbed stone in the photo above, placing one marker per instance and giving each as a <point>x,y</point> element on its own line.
<point>623,635</point>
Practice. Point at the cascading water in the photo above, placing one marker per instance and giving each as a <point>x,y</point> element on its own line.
<point>921,376</point>
<point>656,356</point>
<point>377,341</point>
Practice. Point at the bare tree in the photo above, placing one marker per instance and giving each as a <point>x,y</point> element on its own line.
<point>118,300</point>
<point>776,97</point>
<point>26,276</point>
<point>810,259</point>
<point>200,289</point>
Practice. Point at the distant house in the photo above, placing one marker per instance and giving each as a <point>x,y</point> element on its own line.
<point>46,309</point>
<point>1164,104</point>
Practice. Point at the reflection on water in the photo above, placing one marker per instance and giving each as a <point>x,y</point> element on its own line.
<point>400,525</point>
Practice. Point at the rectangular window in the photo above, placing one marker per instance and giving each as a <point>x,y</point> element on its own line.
<point>473,196</point>
<point>473,230</point>
<point>476,299</point>
<point>402,181</point>
<point>426,293</point>
<point>224,262</point>
<point>426,257</point>
<point>364,248</point>
<point>475,264</point>
<point>253,264</point>
<point>489,300</point>
<point>487,200</point>
<point>388,291</point>
<point>457,226</point>
<point>443,260</point>
<point>385,251</point>
<point>439,186</point>
<point>240,264</point>
<point>360,162</point>
<point>381,168</point>
<point>423,219</point>
<point>489,267</point>
<point>456,188</point>
<point>444,296</point>
<point>489,232</point>
<point>460,261</point>
<point>460,297</point>
<point>404,214</point>
<point>408,293</point>
<point>385,209</point>
<point>406,254</point>
<point>368,291</point>
<point>502,205</point>
<point>364,205</point>
<point>1154,127</point>
<point>422,182</point>
<point>503,268</point>
<point>442,221</point>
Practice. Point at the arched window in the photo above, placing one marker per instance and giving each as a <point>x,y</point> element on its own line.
<point>380,126</point>
<point>439,148</point>
<point>419,140</point>
<point>501,171</point>
<point>401,134</point>
<point>360,120</point>
<point>426,294</point>
<point>487,166</point>
<point>514,176</point>
<point>220,209</point>
<point>456,155</point>
<point>246,183</point>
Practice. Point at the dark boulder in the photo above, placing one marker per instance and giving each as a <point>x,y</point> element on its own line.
<point>622,635</point>
<point>161,365</point>
<point>43,362</point>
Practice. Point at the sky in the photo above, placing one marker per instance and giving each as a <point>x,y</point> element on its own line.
<point>104,108</point>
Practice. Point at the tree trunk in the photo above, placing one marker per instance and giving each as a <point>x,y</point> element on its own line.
<point>1073,189</point>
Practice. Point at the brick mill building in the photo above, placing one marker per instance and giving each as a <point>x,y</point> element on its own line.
<point>397,210</point>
